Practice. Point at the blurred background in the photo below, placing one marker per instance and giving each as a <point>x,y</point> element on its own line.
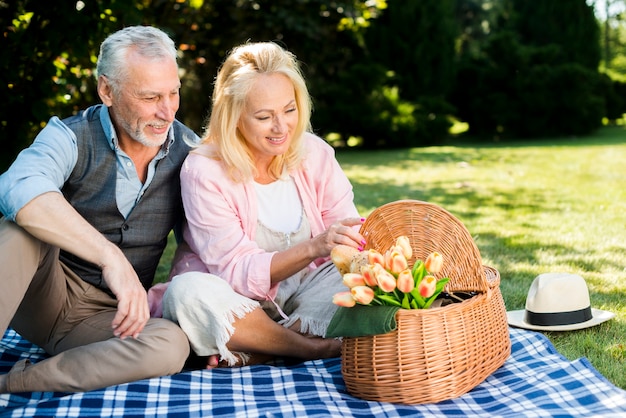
<point>383,74</point>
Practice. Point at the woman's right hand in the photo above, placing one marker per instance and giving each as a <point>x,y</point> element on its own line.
<point>342,232</point>
<point>290,261</point>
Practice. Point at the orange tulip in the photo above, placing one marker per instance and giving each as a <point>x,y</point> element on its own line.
<point>344,299</point>
<point>405,281</point>
<point>404,243</point>
<point>362,294</point>
<point>396,261</point>
<point>368,275</point>
<point>433,263</point>
<point>384,279</point>
<point>353,279</point>
<point>427,286</point>
<point>374,257</point>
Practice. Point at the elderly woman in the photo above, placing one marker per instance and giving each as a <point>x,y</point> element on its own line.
<point>265,201</point>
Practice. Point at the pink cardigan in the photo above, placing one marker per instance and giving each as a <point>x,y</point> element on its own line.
<point>222,216</point>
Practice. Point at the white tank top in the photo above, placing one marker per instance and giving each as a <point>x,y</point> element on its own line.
<point>279,205</point>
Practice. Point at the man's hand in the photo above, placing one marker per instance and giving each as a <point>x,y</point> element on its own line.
<point>132,300</point>
<point>52,219</point>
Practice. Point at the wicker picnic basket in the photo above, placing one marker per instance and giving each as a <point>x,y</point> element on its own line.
<point>438,353</point>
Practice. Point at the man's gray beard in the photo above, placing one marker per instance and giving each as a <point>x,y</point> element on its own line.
<point>140,137</point>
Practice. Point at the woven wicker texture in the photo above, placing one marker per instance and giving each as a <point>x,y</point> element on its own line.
<point>439,353</point>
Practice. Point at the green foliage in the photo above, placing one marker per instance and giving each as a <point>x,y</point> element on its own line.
<point>569,24</point>
<point>614,93</point>
<point>49,52</point>
<point>414,43</point>
<point>477,21</point>
<point>48,55</point>
<point>529,82</point>
<point>558,100</point>
<point>393,74</point>
<point>34,73</point>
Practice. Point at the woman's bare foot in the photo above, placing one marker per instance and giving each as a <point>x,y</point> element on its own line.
<point>326,347</point>
<point>253,358</point>
<point>258,333</point>
<point>322,347</point>
<point>317,348</point>
<point>213,361</point>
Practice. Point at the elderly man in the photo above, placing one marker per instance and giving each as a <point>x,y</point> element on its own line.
<point>87,211</point>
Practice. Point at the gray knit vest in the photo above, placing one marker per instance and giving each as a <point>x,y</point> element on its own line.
<point>91,191</point>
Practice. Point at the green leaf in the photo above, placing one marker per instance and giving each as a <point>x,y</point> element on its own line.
<point>389,300</point>
<point>441,283</point>
<point>418,271</point>
<point>405,302</point>
<point>419,300</point>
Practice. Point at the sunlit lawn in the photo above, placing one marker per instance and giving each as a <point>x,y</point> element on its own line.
<point>532,207</point>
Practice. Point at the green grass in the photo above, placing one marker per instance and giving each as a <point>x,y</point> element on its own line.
<point>532,207</point>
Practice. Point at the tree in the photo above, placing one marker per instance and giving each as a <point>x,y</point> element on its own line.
<point>49,53</point>
<point>537,76</point>
<point>413,43</point>
<point>569,24</point>
<point>40,72</point>
<point>48,56</point>
<point>611,15</point>
<point>323,35</point>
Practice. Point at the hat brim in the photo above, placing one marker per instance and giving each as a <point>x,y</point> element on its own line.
<point>516,319</point>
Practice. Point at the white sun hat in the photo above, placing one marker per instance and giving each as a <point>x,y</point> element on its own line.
<point>558,302</point>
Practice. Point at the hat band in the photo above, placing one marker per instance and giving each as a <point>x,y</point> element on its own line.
<point>558,318</point>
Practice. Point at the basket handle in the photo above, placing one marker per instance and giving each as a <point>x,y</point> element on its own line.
<point>429,228</point>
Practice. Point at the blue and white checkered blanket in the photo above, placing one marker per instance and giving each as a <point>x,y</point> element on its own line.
<point>536,381</point>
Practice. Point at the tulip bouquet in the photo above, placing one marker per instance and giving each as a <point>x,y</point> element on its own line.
<point>375,278</point>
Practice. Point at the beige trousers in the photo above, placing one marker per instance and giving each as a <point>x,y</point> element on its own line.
<point>50,306</point>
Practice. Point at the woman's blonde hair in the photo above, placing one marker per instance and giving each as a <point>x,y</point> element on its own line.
<point>232,85</point>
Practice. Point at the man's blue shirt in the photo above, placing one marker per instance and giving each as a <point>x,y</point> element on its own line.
<point>48,162</point>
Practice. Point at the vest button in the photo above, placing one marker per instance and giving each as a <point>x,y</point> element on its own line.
<point>125,227</point>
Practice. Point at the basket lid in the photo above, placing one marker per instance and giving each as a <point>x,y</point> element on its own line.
<point>430,228</point>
